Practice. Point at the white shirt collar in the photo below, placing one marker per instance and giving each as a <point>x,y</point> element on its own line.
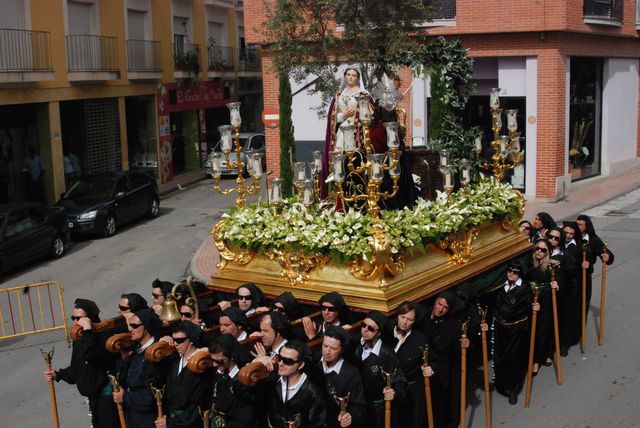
<point>232,374</point>
<point>375,350</point>
<point>573,241</point>
<point>251,311</point>
<point>146,345</point>
<point>585,237</point>
<point>556,251</point>
<point>242,336</point>
<point>399,336</point>
<point>335,368</point>
<point>276,351</point>
<point>507,286</point>
<point>293,389</point>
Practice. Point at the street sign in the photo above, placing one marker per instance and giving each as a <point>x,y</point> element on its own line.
<point>271,117</point>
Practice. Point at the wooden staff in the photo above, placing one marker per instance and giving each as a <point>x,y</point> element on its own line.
<point>427,386</point>
<point>52,390</point>
<point>485,366</point>
<point>158,393</point>
<point>556,329</point>
<point>583,339</point>
<point>463,376</point>
<point>387,404</point>
<point>532,343</point>
<point>206,416</point>
<point>602,293</point>
<point>116,388</point>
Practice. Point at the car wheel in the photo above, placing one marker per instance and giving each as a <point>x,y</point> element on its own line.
<point>57,247</point>
<point>110,226</point>
<point>154,208</point>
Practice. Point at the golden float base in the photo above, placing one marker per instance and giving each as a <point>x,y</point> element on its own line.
<point>417,276</point>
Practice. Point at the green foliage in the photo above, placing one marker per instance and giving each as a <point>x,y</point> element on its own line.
<point>287,140</point>
<point>437,108</point>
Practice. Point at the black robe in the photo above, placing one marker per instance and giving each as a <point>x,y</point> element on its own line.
<point>234,402</point>
<point>374,384</point>
<point>184,393</point>
<point>595,248</point>
<point>347,382</point>
<point>570,296</point>
<point>512,312</point>
<point>307,405</point>
<point>544,345</point>
<point>88,369</point>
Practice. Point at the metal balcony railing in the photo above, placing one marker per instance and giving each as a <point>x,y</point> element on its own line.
<point>186,56</point>
<point>220,58</point>
<point>87,52</point>
<point>143,55</point>
<point>444,9</point>
<point>24,50</point>
<point>604,9</point>
<point>249,58</point>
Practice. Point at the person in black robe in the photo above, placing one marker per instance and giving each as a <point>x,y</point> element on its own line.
<point>595,249</point>
<point>375,358</point>
<point>130,303</point>
<point>287,304</point>
<point>89,365</point>
<point>340,378</point>
<point>541,224</point>
<point>159,291</point>
<point>334,312</point>
<point>570,316</point>
<point>538,274</point>
<point>512,307</point>
<point>185,391</point>
<point>443,332</point>
<point>137,374</point>
<point>233,403</point>
<point>408,344</point>
<point>294,397</point>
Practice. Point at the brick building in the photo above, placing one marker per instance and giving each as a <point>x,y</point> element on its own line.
<point>571,67</point>
<point>103,85</point>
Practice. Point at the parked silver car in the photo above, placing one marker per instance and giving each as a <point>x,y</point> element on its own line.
<point>250,142</point>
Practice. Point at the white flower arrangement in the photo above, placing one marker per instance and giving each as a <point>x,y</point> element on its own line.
<point>344,236</point>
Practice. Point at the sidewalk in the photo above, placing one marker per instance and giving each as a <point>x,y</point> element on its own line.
<point>584,195</point>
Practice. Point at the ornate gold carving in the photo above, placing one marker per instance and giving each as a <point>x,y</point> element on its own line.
<point>382,261</point>
<point>459,247</point>
<point>242,257</point>
<point>295,266</point>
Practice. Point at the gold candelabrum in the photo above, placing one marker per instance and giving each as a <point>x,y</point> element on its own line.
<point>507,153</point>
<point>373,166</point>
<point>253,162</point>
<point>448,168</point>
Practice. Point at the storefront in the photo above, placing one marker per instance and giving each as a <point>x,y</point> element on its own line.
<point>182,125</point>
<point>142,135</point>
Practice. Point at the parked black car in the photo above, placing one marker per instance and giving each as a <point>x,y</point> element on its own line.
<point>101,203</point>
<point>30,231</point>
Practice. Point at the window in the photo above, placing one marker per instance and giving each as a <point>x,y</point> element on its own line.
<point>138,180</point>
<point>122,186</point>
<point>18,222</point>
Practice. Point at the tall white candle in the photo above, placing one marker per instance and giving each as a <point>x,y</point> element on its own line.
<point>307,197</point>
<point>447,180</point>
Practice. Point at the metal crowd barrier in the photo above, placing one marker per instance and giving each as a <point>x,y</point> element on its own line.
<point>32,308</point>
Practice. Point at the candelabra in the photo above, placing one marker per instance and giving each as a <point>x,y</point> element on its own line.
<point>253,161</point>
<point>507,153</point>
<point>373,165</point>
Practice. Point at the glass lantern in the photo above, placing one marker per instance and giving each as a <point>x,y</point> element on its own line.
<point>307,192</point>
<point>392,134</point>
<point>225,138</point>
<point>515,143</point>
<point>275,191</point>
<point>216,170</point>
<point>478,145</point>
<point>299,172</point>
<point>255,160</point>
<point>447,177</point>
<point>338,166</point>
<point>505,140</point>
<point>364,109</point>
<point>317,162</point>
<point>445,154</point>
<point>377,166</point>
<point>394,171</point>
<point>234,110</point>
<point>349,137</point>
<point>494,97</point>
<point>512,120</point>
<point>465,171</point>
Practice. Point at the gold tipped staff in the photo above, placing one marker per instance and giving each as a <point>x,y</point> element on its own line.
<point>532,344</point>
<point>485,366</point>
<point>52,390</point>
<point>158,393</point>
<point>583,310</point>
<point>388,377</point>
<point>116,388</point>
<point>206,415</point>
<point>342,402</point>
<point>602,293</point>
<point>463,376</point>
<point>427,386</point>
<point>556,329</point>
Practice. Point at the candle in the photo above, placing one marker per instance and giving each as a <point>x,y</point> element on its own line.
<point>376,170</point>
<point>447,180</point>
<point>301,175</point>
<point>478,142</point>
<point>444,157</point>
<point>275,193</point>
<point>465,175</point>
<point>494,97</point>
<point>257,167</point>
<point>307,197</point>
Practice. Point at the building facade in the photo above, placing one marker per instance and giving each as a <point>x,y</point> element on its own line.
<point>88,86</point>
<point>571,68</point>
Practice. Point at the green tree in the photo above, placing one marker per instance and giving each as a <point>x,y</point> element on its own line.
<point>287,140</point>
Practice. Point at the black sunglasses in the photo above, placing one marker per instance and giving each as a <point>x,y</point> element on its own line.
<point>244,297</point>
<point>288,361</point>
<point>180,339</point>
<point>514,271</point>
<point>329,308</point>
<point>277,308</point>
<point>369,327</point>
<point>218,362</point>
<point>542,250</point>
<point>525,228</point>
<point>74,318</point>
<point>554,238</point>
<point>186,314</point>
<point>123,308</point>
<point>157,296</point>
<point>134,326</point>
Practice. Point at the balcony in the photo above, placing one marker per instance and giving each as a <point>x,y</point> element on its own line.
<point>249,61</point>
<point>603,12</point>
<point>220,61</point>
<point>186,58</point>
<point>25,56</point>
<point>144,60</point>
<point>92,58</point>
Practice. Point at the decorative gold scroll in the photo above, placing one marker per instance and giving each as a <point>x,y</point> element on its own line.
<point>295,266</point>
<point>241,257</point>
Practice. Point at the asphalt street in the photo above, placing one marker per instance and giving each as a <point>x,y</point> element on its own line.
<point>600,386</point>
